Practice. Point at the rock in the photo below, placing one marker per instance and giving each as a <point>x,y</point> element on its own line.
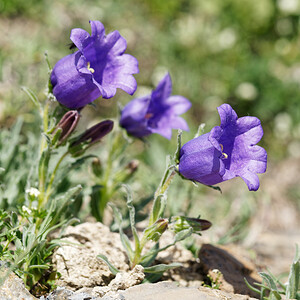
<point>233,265</point>
<point>187,275</point>
<point>61,293</point>
<point>13,287</point>
<point>77,262</point>
<point>122,281</point>
<point>169,290</point>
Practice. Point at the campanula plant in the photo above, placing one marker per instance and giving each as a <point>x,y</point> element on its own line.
<point>156,113</point>
<point>97,69</point>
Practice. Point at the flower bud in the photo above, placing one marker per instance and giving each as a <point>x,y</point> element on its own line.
<point>90,137</point>
<point>97,167</point>
<point>182,223</point>
<point>126,173</point>
<point>66,126</point>
<point>155,231</point>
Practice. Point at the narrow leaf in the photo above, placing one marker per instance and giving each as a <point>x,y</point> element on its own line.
<point>252,288</point>
<point>33,97</point>
<point>112,268</point>
<point>39,267</point>
<point>269,280</point>
<point>161,268</point>
<point>183,234</point>
<point>132,216</point>
<point>124,239</point>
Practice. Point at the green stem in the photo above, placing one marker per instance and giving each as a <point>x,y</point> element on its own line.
<point>42,148</point>
<point>166,183</point>
<point>162,189</point>
<point>45,125</point>
<point>48,192</point>
<point>107,182</point>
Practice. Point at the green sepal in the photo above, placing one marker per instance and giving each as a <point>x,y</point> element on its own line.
<point>177,152</point>
<point>200,130</point>
<point>56,137</point>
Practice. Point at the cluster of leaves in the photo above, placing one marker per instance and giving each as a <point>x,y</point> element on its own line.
<point>273,289</point>
<point>24,240</point>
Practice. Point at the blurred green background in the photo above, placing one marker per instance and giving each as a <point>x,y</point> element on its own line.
<point>242,52</point>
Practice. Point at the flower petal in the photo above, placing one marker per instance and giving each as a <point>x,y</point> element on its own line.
<point>227,115</point>
<point>163,131</point>
<point>178,123</point>
<point>67,81</point>
<point>163,90</point>
<point>250,128</point>
<point>118,74</point>
<point>133,117</point>
<point>80,38</point>
<point>251,180</point>
<point>200,161</point>
<point>178,104</point>
<point>98,30</point>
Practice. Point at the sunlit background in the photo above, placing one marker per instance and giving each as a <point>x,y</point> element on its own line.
<point>242,52</point>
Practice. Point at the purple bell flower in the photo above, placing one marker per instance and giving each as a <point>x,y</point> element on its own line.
<point>156,113</point>
<point>227,151</point>
<point>97,69</point>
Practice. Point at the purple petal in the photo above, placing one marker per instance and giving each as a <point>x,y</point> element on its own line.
<point>67,81</point>
<point>200,161</point>
<point>134,119</point>
<point>251,179</point>
<point>250,128</point>
<point>163,90</point>
<point>98,30</point>
<point>163,131</point>
<point>119,47</point>
<point>117,74</point>
<point>178,104</point>
<point>227,115</point>
<point>178,123</point>
<point>80,38</point>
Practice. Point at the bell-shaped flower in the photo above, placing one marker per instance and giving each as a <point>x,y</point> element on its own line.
<point>97,69</point>
<point>227,151</point>
<point>156,113</point>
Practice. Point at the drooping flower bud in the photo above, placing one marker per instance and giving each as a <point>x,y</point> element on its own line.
<point>66,126</point>
<point>90,137</point>
<point>155,231</point>
<point>180,223</point>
